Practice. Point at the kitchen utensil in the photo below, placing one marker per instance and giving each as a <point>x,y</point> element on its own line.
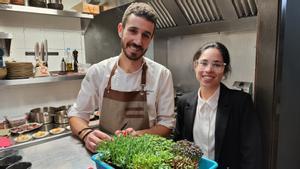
<point>9,160</point>
<point>42,115</point>
<point>37,3</point>
<point>20,165</point>
<point>46,52</point>
<point>42,54</point>
<point>5,43</point>
<point>61,117</point>
<point>36,51</point>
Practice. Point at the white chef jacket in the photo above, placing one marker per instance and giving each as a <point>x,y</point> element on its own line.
<point>159,87</point>
<point>205,123</point>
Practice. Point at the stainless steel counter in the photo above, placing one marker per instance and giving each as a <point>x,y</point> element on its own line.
<point>63,153</point>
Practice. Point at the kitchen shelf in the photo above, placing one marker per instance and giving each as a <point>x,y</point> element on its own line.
<point>37,80</point>
<point>45,11</point>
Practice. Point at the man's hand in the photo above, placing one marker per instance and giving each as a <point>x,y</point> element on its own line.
<point>128,131</point>
<point>93,139</point>
<point>157,130</point>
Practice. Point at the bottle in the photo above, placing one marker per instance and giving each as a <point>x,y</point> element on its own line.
<point>75,57</point>
<point>69,60</point>
<point>63,65</point>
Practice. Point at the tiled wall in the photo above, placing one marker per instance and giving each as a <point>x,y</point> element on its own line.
<point>27,29</point>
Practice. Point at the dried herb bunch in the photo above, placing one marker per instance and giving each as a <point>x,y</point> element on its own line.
<point>149,152</point>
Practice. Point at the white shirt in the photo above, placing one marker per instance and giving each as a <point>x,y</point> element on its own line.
<point>205,123</point>
<point>159,87</point>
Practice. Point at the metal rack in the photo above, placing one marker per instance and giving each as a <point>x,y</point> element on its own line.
<point>37,80</point>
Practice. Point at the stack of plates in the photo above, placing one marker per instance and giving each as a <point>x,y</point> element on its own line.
<point>19,70</point>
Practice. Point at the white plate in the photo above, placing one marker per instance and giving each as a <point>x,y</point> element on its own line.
<point>23,138</point>
<point>57,130</point>
<point>40,134</point>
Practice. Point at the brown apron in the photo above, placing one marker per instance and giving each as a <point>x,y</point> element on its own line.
<point>121,110</point>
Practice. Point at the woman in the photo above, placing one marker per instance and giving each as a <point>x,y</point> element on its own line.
<point>220,120</point>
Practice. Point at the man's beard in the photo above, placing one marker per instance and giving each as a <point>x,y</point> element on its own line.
<point>133,56</point>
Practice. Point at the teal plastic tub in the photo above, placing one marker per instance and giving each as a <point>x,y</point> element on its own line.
<point>204,163</point>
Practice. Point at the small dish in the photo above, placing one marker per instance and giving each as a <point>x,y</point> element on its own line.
<point>68,128</point>
<point>57,130</point>
<point>23,138</point>
<point>40,134</point>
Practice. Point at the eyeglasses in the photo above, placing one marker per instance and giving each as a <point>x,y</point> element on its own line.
<point>216,66</point>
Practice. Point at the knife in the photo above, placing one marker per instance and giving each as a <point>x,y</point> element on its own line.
<point>46,52</point>
<point>42,52</point>
<point>36,51</point>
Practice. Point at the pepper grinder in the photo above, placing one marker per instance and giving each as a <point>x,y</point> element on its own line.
<point>75,56</point>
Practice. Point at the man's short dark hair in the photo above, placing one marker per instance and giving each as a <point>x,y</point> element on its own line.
<point>142,10</point>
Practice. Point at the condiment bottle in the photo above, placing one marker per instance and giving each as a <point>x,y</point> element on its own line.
<point>63,65</point>
<point>69,60</point>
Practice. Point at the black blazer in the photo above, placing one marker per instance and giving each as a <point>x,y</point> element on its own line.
<point>237,132</point>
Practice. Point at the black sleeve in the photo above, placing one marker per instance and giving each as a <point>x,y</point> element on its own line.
<point>179,120</point>
<point>250,136</point>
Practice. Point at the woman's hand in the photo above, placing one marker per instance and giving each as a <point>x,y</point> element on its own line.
<point>94,138</point>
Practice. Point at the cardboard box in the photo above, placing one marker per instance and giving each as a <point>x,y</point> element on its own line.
<point>87,8</point>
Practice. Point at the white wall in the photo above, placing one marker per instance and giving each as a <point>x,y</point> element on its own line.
<point>27,29</point>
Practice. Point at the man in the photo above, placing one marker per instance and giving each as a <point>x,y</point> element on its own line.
<point>131,91</point>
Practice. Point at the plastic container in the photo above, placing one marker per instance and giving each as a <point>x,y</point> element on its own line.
<point>204,163</point>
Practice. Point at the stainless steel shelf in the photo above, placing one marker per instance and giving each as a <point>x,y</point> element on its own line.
<point>41,80</point>
<point>45,11</point>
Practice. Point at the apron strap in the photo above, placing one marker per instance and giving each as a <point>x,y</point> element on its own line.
<point>111,75</point>
<point>143,79</point>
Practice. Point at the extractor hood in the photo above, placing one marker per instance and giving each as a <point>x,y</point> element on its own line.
<point>176,18</point>
<point>181,17</point>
